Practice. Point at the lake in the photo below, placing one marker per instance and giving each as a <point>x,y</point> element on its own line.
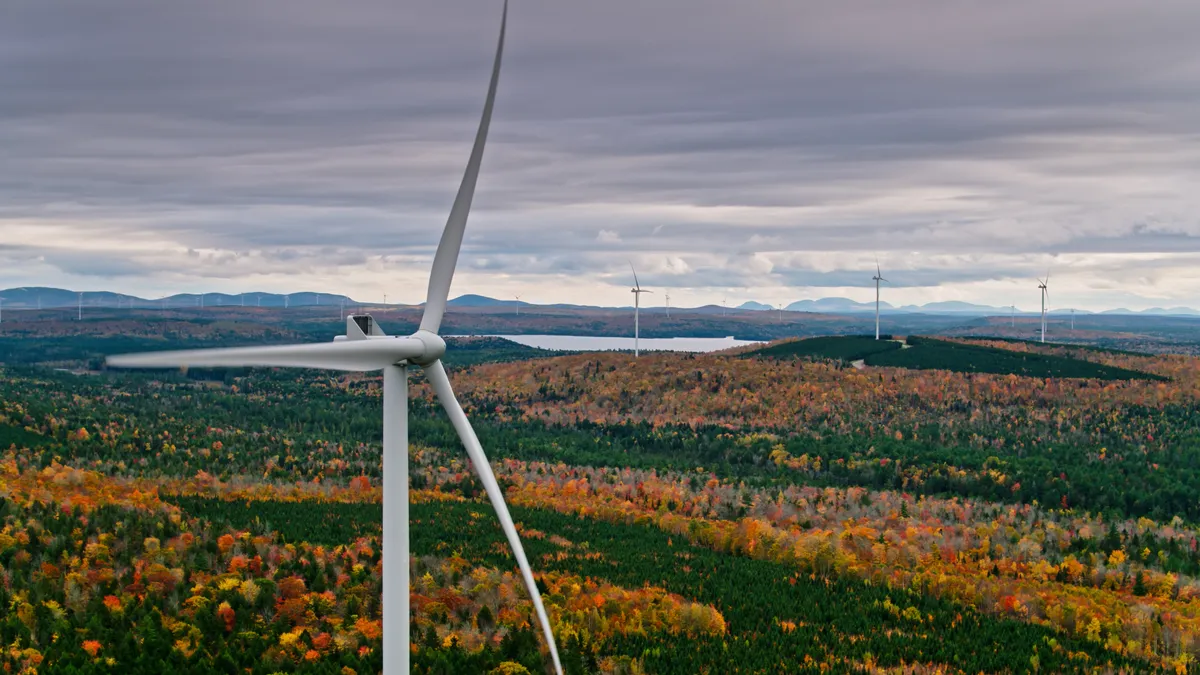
<point>583,343</point>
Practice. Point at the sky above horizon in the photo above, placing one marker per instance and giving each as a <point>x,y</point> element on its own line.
<point>759,150</point>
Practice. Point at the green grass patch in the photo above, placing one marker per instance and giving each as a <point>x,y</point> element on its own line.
<point>933,354</point>
<point>839,347</point>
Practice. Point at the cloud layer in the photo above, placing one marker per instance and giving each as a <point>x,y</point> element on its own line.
<point>760,149</point>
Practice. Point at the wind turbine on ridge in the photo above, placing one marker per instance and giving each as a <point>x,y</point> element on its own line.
<point>877,279</point>
<point>1045,290</point>
<point>365,347</point>
<point>637,297</point>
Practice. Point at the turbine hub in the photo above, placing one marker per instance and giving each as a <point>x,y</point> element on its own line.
<point>435,347</point>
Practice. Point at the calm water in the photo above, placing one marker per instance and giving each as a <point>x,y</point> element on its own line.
<point>581,343</point>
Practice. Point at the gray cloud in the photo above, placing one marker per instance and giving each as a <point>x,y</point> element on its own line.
<point>305,140</point>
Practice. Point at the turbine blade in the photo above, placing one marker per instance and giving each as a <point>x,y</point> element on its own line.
<point>441,384</point>
<point>446,257</point>
<point>635,279</point>
<point>352,355</point>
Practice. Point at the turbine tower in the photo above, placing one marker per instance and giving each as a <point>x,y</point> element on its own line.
<point>365,347</point>
<point>1045,290</point>
<point>877,278</point>
<point>637,302</point>
<point>668,298</point>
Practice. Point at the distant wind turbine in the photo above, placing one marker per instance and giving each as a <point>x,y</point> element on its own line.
<point>1014,316</point>
<point>79,317</point>
<point>878,278</point>
<point>724,305</point>
<point>668,298</point>
<point>518,305</point>
<point>365,347</point>
<point>1044,285</point>
<point>637,302</point>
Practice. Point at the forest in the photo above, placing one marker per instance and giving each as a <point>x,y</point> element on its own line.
<point>715,513</point>
<point>960,356</point>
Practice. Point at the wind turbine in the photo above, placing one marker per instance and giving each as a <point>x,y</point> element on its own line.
<point>668,297</point>
<point>80,316</point>
<point>1014,316</point>
<point>877,279</point>
<point>637,297</point>
<point>724,305</point>
<point>1045,290</point>
<point>518,305</point>
<point>365,347</point>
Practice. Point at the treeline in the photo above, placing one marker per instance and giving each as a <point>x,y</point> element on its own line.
<point>934,354</point>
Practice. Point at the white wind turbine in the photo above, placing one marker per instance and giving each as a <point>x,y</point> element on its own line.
<point>637,303</point>
<point>1045,290</point>
<point>877,279</point>
<point>668,298</point>
<point>518,304</point>
<point>365,347</point>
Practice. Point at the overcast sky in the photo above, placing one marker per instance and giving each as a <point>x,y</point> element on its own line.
<point>765,150</point>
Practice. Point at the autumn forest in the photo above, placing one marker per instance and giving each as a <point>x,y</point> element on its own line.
<point>929,505</point>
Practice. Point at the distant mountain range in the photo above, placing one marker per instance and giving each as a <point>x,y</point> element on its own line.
<point>34,297</point>
<point>49,298</point>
